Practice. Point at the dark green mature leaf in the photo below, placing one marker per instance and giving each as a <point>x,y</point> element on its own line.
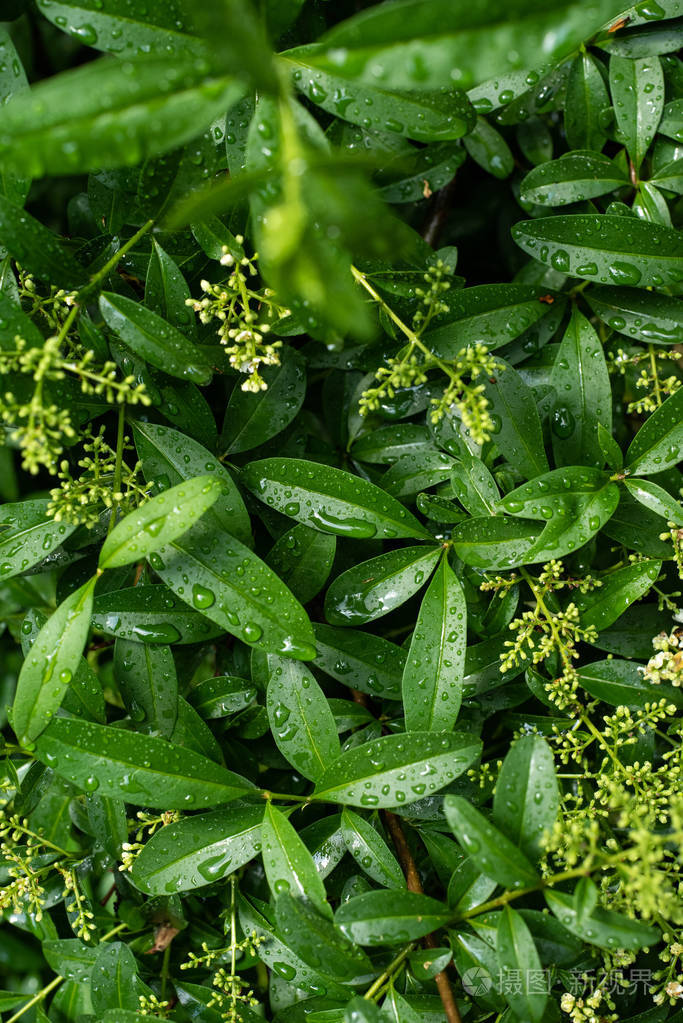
<point>492,314</point>
<point>658,500</point>
<point>302,557</point>
<point>221,696</point>
<point>621,682</point>
<point>252,419</point>
<point>602,607</point>
<point>146,676</point>
<point>111,113</point>
<point>198,850</point>
<point>288,864</point>
<point>586,102</point>
<point>51,664</point>
<point>150,614</point>
<point>329,499</point>
<point>360,660</point>
<point>159,521</point>
<point>12,81</point>
<point>374,588</point>
<point>517,955</point>
<point>124,29</point>
<point>527,798</point>
<point>390,917</point>
<point>397,769</point>
<point>494,542</point>
<point>151,337</point>
<point>114,981</point>
<point>573,177</point>
<point>141,769</point>
<point>434,45</point>
<point>370,850</point>
<point>416,471</point>
<point>637,88</point>
<point>602,928</point>
<point>318,941</point>
<point>169,457</point>
<point>167,293</point>
<point>235,589</point>
<point>27,535</point>
<point>37,248</point>
<point>517,429</point>
<point>604,248</point>
<point>488,148</point>
<point>474,486</point>
<point>434,671</point>
<point>643,315</point>
<point>71,958</point>
<point>657,444</point>
<point>300,718</point>
<point>583,396</point>
<point>494,854</point>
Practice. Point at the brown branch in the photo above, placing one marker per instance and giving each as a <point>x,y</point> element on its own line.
<point>440,206</point>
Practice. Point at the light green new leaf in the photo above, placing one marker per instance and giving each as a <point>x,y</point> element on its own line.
<point>605,247</point>
<point>434,671</point>
<point>141,769</point>
<point>583,396</point>
<point>374,588</point>
<point>300,717</point>
<point>397,769</point>
<point>527,798</point>
<point>159,521</point>
<point>657,445</point>
<point>517,956</point>
<point>330,500</point>
<point>494,854</point>
<point>155,340</point>
<point>198,850</point>
<point>51,664</point>
<point>637,88</point>
<point>288,864</point>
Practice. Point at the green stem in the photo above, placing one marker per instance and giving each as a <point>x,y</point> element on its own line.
<point>115,259</point>
<point>119,461</point>
<point>391,970</point>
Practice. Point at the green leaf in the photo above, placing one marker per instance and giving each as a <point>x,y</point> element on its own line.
<point>51,664</point>
<point>601,607</point>
<point>517,426</point>
<point>159,521</point>
<point>420,115</point>
<point>116,27</point>
<point>435,666</point>
<point>387,444</point>
<point>28,535</point>
<point>397,769</point>
<point>605,248</point>
<point>374,588</point>
<point>622,683</point>
<point>166,292</point>
<point>111,113</point>
<point>34,246</point>
<point>602,928</point>
<point>527,799</point>
<point>436,164</point>
<point>585,103</point>
<point>114,981</point>
<point>572,178</point>
<point>390,917</point>
<point>12,81</point>
<point>150,614</point>
<point>146,676</point>
<point>329,499</point>
<point>637,528</point>
<point>221,696</point>
<point>303,557</point>
<point>252,419</point>
<point>493,542</point>
<point>300,718</point>
<point>671,123</point>
<point>468,887</point>
<point>154,339</point>
<point>584,396</point>
<point>474,486</point>
<point>637,88</point>
<point>643,315</point>
<point>370,851</point>
<point>657,444</point>
<point>288,864</point>
<point>656,499</point>
<point>198,850</point>
<point>488,148</point>
<point>235,589</point>
<point>319,942</point>
<point>518,956</point>
<point>493,853</point>
<point>168,457</point>
<point>435,45</point>
<point>360,660</point>
<point>71,958</point>
<point>416,471</point>
<point>141,769</point>
<point>490,314</point>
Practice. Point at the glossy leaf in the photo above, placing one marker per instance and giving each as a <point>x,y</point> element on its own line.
<point>370,850</point>
<point>167,293</point>
<point>34,246</point>
<point>287,862</point>
<point>116,28</point>
<point>658,500</point>
<point>621,682</point>
<point>159,521</point>
<point>300,718</point>
<point>114,980</point>
<point>637,88</point>
<point>602,248</point>
<point>517,427</point>
<point>51,664</point>
<point>330,500</point>
<point>146,676</point>
<point>643,315</point>
<point>159,343</point>
<point>198,850</point>
<point>494,854</point>
<point>494,542</point>
<point>527,798</point>
<point>397,769</point>
<point>491,314</point>
<point>141,769</point>
<point>318,941</point>
<point>657,444</point>
<point>517,955</point>
<point>434,671</point>
<point>586,101</point>
<point>573,177</point>
<point>374,588</point>
<point>602,928</point>
<point>27,536</point>
<point>602,607</point>
<point>360,660</point>
<point>150,614</point>
<point>251,419</point>
<point>221,696</point>
<point>302,557</point>
<point>390,917</point>
<point>474,486</point>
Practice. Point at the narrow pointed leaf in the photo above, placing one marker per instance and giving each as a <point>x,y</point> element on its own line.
<point>657,445</point>
<point>518,956</point>
<point>288,864</point>
<point>527,798</point>
<point>27,535</point>
<point>495,855</point>
<point>390,917</point>
<point>300,717</point>
<point>637,88</point>
<point>370,850</point>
